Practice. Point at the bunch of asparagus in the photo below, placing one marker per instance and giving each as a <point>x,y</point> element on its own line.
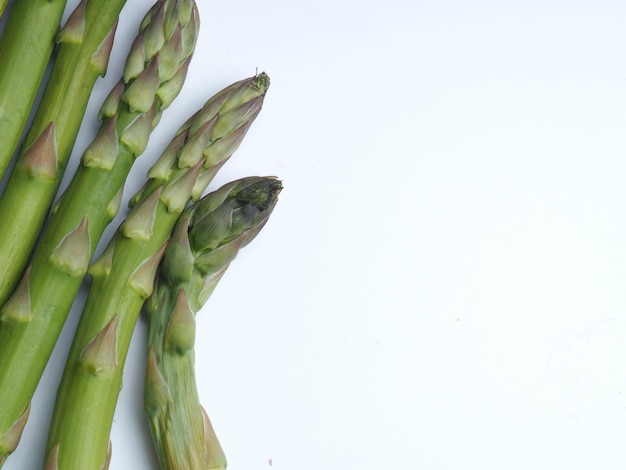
<point>166,256</point>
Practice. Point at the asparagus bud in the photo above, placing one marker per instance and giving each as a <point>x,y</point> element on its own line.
<point>207,238</point>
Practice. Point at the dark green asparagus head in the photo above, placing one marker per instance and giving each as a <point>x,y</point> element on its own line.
<point>207,237</point>
<point>231,212</point>
<point>211,232</point>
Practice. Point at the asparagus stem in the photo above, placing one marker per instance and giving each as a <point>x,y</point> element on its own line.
<point>207,238</point>
<point>26,46</point>
<point>85,43</point>
<point>32,319</point>
<point>123,276</point>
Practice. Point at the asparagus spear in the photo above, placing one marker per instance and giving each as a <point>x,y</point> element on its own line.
<point>32,319</point>
<point>85,44</point>
<point>123,276</point>
<point>26,46</point>
<point>207,238</point>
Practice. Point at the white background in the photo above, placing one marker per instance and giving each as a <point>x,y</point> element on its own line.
<point>442,284</point>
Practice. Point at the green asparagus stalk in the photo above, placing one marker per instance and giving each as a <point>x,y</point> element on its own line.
<point>85,44</point>
<point>33,317</point>
<point>206,239</point>
<point>26,47</point>
<point>123,276</point>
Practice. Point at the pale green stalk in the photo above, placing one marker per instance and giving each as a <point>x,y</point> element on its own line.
<point>85,43</point>
<point>26,47</point>
<point>207,238</point>
<point>123,276</point>
<point>33,317</point>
